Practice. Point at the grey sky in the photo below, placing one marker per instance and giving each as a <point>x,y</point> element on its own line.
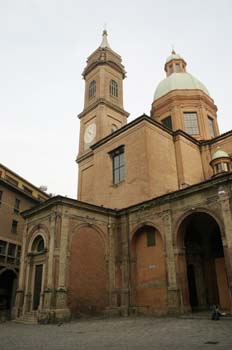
<point>44,45</point>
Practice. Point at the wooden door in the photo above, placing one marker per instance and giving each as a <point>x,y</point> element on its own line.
<point>37,286</point>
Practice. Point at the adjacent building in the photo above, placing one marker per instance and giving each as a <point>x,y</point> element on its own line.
<point>16,195</point>
<point>151,231</point>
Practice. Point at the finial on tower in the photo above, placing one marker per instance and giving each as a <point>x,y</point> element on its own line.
<point>173,50</point>
<point>104,42</point>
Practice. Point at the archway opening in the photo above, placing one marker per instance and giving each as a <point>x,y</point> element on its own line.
<point>8,285</point>
<point>206,276</point>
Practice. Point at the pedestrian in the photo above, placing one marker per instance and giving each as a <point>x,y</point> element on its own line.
<point>216,313</point>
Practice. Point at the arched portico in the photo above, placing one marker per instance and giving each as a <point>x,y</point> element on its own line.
<point>148,271</point>
<point>87,271</point>
<point>201,265</point>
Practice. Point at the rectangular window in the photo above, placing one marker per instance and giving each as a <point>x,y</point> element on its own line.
<point>177,68</point>
<point>2,247</point>
<point>218,167</point>
<point>171,69</point>
<point>11,249</point>
<point>167,122</point>
<point>14,226</point>
<point>118,165</point>
<point>151,238</point>
<point>191,123</point>
<point>16,206</point>
<point>211,128</point>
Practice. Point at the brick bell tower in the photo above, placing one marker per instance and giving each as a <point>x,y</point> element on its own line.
<point>103,105</point>
<point>103,111</point>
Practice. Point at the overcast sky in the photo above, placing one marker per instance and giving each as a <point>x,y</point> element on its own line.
<point>44,45</point>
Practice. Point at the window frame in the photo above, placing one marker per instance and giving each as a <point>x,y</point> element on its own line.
<point>92,88</point>
<point>113,87</point>
<point>118,165</point>
<point>169,118</point>
<point>177,68</point>
<point>189,126</point>
<point>16,205</point>
<point>151,238</point>
<point>211,127</point>
<point>14,226</point>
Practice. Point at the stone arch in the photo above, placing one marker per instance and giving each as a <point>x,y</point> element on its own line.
<point>148,270</point>
<point>11,269</point>
<point>146,223</point>
<point>87,270</point>
<point>41,230</point>
<point>78,227</point>
<point>178,235</point>
<point>201,268</point>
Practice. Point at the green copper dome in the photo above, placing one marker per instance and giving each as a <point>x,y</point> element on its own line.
<point>219,154</point>
<point>178,81</point>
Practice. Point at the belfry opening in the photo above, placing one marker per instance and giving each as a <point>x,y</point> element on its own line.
<point>204,279</point>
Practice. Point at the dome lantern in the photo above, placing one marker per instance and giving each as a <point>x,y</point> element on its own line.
<point>220,162</point>
<point>174,64</point>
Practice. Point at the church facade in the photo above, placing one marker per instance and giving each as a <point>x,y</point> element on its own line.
<point>151,230</point>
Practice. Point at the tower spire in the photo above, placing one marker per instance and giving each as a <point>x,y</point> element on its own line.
<point>104,42</point>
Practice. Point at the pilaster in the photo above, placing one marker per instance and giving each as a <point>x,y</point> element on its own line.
<point>173,292</point>
<point>226,211</point>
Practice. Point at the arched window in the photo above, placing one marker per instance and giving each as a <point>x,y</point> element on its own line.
<point>92,88</point>
<point>38,244</point>
<point>113,88</point>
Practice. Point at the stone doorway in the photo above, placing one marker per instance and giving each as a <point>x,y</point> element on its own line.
<point>204,278</point>
<point>37,286</point>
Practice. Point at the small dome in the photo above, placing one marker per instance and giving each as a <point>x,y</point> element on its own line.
<point>220,154</point>
<point>178,81</point>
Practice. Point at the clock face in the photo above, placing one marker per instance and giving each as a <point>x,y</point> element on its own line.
<point>90,133</point>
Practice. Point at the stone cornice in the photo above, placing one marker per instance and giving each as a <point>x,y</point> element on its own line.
<point>216,139</point>
<point>84,155</point>
<point>177,195</point>
<point>141,119</point>
<point>109,63</point>
<point>160,200</point>
<point>69,202</point>
<point>18,190</point>
<point>104,102</point>
<point>181,95</point>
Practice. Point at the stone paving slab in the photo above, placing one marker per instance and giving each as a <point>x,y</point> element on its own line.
<point>143,333</point>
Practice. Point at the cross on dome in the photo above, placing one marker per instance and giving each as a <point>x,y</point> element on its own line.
<point>105,42</point>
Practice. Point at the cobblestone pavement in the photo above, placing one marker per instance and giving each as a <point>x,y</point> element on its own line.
<point>119,333</point>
